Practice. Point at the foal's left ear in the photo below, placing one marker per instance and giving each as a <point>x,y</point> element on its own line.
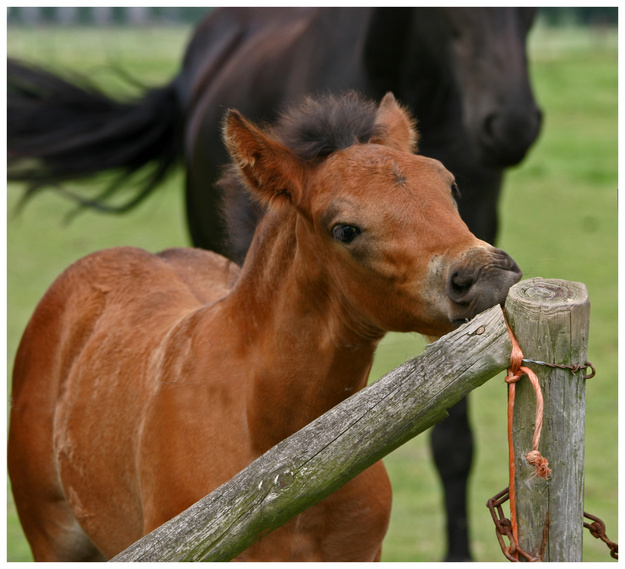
<point>396,124</point>
<point>272,171</point>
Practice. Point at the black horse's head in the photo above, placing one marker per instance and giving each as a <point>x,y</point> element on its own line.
<point>487,47</point>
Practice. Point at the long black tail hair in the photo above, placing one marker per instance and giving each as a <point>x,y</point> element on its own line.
<point>58,131</point>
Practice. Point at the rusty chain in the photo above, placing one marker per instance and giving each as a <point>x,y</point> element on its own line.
<point>572,368</point>
<point>503,529</point>
<point>597,529</point>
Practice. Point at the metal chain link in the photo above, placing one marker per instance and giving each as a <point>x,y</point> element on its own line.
<point>597,529</point>
<point>572,368</point>
<point>503,528</point>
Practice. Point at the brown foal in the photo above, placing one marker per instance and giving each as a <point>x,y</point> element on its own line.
<point>144,381</point>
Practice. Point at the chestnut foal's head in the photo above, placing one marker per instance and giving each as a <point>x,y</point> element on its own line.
<point>382,221</point>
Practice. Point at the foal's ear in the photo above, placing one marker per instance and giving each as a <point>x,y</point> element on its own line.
<point>397,126</point>
<point>272,171</point>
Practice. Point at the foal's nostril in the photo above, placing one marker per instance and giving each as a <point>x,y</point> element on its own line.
<point>461,283</point>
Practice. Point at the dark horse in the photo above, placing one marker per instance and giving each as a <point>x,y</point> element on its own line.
<point>463,72</point>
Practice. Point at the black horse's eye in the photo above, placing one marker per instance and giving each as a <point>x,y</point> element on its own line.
<point>345,233</point>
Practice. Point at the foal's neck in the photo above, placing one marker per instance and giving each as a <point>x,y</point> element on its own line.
<point>307,351</point>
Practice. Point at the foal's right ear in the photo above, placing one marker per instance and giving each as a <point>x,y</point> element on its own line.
<point>272,171</point>
<point>397,126</point>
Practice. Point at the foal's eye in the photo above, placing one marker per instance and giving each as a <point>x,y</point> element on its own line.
<point>345,233</point>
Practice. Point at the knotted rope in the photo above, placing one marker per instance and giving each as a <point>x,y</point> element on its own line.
<point>533,457</point>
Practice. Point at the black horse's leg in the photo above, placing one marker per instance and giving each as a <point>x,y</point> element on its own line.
<point>452,446</point>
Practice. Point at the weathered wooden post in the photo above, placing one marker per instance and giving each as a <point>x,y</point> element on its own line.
<point>550,320</point>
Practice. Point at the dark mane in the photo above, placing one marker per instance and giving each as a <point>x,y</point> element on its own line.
<point>319,126</point>
<point>312,129</point>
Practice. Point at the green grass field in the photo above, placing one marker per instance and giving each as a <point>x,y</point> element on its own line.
<point>558,219</point>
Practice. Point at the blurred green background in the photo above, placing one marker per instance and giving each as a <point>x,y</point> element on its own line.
<point>558,219</point>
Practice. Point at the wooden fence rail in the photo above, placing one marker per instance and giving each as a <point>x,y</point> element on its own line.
<point>315,461</point>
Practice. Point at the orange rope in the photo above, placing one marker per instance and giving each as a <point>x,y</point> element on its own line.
<point>541,465</point>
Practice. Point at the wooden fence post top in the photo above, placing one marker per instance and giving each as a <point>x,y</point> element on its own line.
<point>535,292</point>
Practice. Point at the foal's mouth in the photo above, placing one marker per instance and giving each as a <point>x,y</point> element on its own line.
<point>475,287</point>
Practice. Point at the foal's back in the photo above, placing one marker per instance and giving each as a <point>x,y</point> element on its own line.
<point>125,302</point>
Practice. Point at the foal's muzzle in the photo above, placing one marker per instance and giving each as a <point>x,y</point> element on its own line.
<point>480,280</point>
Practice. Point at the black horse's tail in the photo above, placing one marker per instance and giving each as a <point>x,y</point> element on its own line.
<point>59,131</point>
